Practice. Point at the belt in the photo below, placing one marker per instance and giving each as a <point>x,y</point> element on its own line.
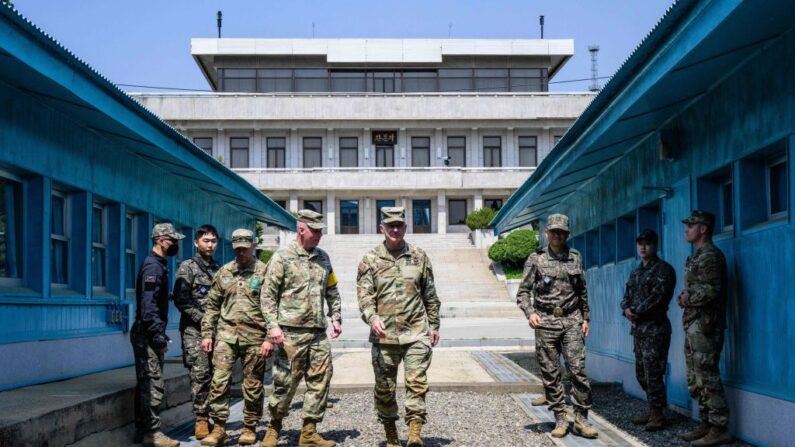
<point>556,311</point>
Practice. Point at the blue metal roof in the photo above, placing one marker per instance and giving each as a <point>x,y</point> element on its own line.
<point>696,45</point>
<point>33,61</point>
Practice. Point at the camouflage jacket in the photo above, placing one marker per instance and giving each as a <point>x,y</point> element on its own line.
<point>296,285</point>
<point>648,293</point>
<point>551,281</point>
<point>193,281</point>
<point>706,282</point>
<point>398,291</point>
<point>233,313</point>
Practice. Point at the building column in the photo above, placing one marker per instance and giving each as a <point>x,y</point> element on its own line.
<point>330,145</point>
<point>293,160</point>
<point>474,158</point>
<point>366,155</point>
<point>441,214</point>
<point>478,201</point>
<point>406,204</point>
<point>292,205</point>
<point>331,214</point>
<point>221,146</point>
<point>511,157</point>
<point>258,154</point>
<point>437,148</point>
<point>545,143</point>
<point>402,146</point>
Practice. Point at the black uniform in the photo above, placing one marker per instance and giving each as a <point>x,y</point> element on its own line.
<point>148,337</point>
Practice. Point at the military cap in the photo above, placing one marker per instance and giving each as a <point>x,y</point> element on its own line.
<point>312,218</point>
<point>700,217</point>
<point>166,229</point>
<point>558,222</point>
<point>243,238</point>
<point>392,214</point>
<point>647,235</point>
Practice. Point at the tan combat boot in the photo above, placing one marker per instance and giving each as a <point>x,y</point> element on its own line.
<point>202,427</point>
<point>561,425</point>
<point>272,435</point>
<point>218,436</point>
<point>392,439</point>
<point>158,439</point>
<point>716,436</point>
<point>697,433</point>
<point>539,401</point>
<point>415,434</point>
<point>656,420</point>
<point>311,438</point>
<point>582,427</point>
<point>248,436</point>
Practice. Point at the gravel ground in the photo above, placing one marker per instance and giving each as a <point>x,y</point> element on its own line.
<point>454,419</point>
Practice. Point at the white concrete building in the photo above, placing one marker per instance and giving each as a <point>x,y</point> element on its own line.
<point>346,126</point>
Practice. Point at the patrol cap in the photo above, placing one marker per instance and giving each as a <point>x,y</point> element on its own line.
<point>700,217</point>
<point>647,235</point>
<point>393,214</point>
<point>166,229</point>
<point>558,222</point>
<point>313,219</point>
<point>243,238</point>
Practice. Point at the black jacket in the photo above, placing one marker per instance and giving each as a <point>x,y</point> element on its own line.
<point>151,299</point>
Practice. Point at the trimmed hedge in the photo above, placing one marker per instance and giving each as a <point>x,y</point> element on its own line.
<point>264,255</point>
<point>480,218</point>
<point>512,251</point>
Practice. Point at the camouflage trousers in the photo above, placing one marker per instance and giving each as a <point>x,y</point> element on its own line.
<point>568,341</point>
<point>224,356</point>
<point>149,382</point>
<point>305,355</point>
<point>651,359</point>
<point>702,357</point>
<point>200,369</point>
<point>416,358</point>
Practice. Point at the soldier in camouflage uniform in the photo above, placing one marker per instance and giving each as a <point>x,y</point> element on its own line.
<point>234,319</point>
<point>648,292</point>
<point>397,299</point>
<point>193,281</point>
<point>704,320</point>
<point>554,298</point>
<point>298,281</point>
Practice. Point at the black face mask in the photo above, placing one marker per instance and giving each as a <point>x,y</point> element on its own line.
<point>173,249</point>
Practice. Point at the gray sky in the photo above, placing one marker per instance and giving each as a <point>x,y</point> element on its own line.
<point>147,42</point>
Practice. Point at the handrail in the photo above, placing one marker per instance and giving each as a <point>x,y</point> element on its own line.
<point>384,169</point>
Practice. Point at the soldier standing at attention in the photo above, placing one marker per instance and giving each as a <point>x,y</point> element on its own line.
<point>554,298</point>
<point>233,317</point>
<point>704,320</point>
<point>397,299</point>
<point>298,281</point>
<point>148,335</point>
<point>648,292</point>
<point>193,281</point>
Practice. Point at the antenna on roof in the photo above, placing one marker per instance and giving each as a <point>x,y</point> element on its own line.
<point>541,22</point>
<point>218,18</point>
<point>313,30</point>
<point>594,49</point>
<point>449,29</point>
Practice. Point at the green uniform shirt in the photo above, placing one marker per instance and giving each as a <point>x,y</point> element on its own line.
<point>706,280</point>
<point>398,291</point>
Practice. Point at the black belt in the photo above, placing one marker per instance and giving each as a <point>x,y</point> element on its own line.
<point>556,311</point>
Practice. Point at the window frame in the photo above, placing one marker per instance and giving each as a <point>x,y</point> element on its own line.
<point>131,223</point>
<point>275,150</point>
<point>491,150</point>
<point>19,222</point>
<point>521,148</point>
<point>318,149</point>
<point>450,209</point>
<point>205,149</point>
<point>354,148</point>
<point>62,238</point>
<point>463,150</point>
<point>771,163</point>
<point>101,245</point>
<point>312,201</point>
<point>418,148</point>
<point>233,149</point>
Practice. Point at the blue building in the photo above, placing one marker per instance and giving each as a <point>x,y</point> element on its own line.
<point>701,115</point>
<point>85,172</point>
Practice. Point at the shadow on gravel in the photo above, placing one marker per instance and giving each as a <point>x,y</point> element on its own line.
<point>434,442</point>
<point>336,435</point>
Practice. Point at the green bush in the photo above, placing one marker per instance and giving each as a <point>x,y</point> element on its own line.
<point>264,255</point>
<point>480,218</point>
<point>512,251</point>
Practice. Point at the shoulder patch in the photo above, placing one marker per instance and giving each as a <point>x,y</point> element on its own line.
<point>362,267</point>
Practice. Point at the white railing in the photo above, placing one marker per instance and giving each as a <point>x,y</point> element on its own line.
<point>354,94</point>
<point>384,169</point>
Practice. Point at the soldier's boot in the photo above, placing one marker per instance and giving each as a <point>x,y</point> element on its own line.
<point>202,427</point>
<point>643,418</point>
<point>272,434</point>
<point>716,436</point>
<point>218,436</point>
<point>582,427</point>
<point>248,436</point>
<point>311,438</point>
<point>697,433</point>
<point>392,439</point>
<point>415,434</point>
<point>561,425</point>
<point>656,420</point>
<point>539,401</point>
<point>158,439</point>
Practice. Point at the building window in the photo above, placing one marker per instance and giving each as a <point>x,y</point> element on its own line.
<point>419,81</point>
<point>455,80</point>
<point>456,151</point>
<point>98,245</point>
<point>275,80</point>
<point>420,151</point>
<point>10,229</point>
<point>494,204</point>
<point>349,152</point>
<point>313,152</point>
<point>276,151</point>
<point>528,79</point>
<point>238,79</point>
<point>314,205</point>
<point>385,156</point>
<point>528,151</point>
<point>238,147</point>
<point>310,80</point>
<point>492,149</point>
<point>383,81</point>
<point>348,81</point>
<point>59,239</point>
<point>764,185</point>
<point>205,144</point>
<point>491,80</point>
<point>130,254</point>
<point>626,233</point>
<point>607,242</point>
<point>716,195</point>
<point>281,203</point>
<point>457,212</point>
<point>777,187</point>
